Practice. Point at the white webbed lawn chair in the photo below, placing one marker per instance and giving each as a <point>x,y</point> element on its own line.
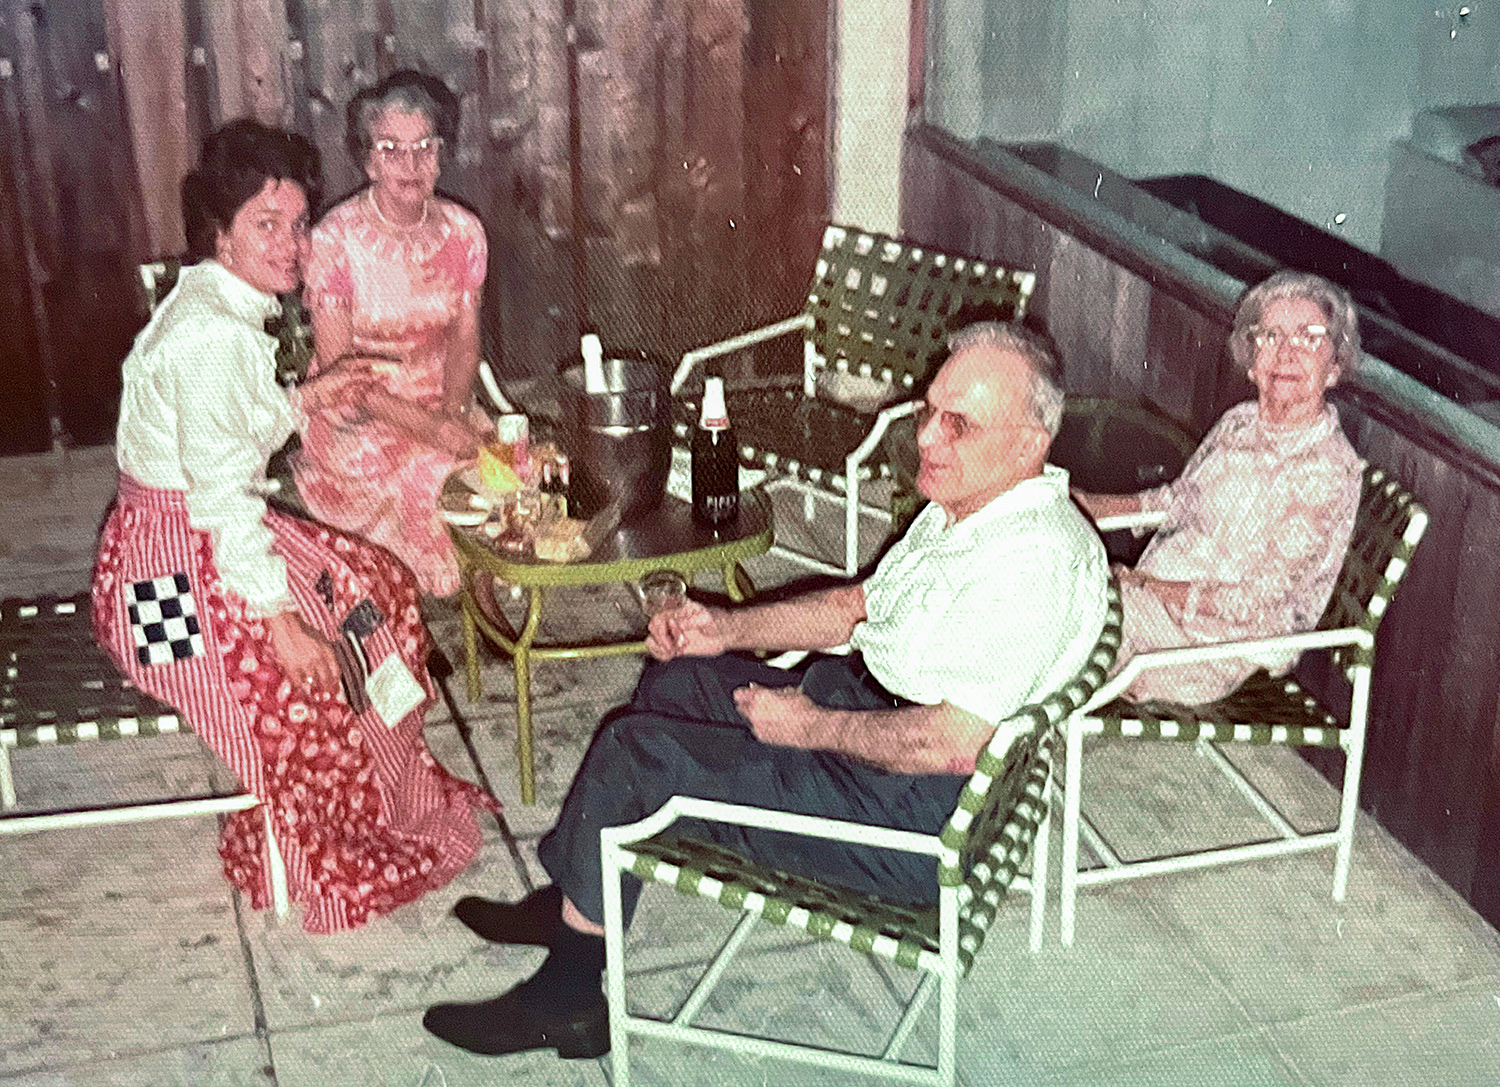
<point>1002,816</point>
<point>875,326</point>
<point>1263,710</point>
<point>58,688</point>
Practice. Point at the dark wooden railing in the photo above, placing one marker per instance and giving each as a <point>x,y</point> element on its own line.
<point>1138,318</point>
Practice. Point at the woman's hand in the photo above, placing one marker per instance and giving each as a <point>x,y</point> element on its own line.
<point>433,427</point>
<point>459,438</point>
<point>346,382</point>
<point>305,655</point>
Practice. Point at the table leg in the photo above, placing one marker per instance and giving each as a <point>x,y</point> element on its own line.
<point>737,583</point>
<point>471,647</point>
<point>521,659</point>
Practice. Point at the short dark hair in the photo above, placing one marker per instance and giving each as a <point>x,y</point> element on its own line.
<point>409,90</point>
<point>237,160</point>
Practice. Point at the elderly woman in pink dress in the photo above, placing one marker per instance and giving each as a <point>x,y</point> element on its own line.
<point>1257,525</point>
<point>396,274</point>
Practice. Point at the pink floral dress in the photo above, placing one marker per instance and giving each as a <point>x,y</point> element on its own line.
<point>1259,522</point>
<point>404,289</point>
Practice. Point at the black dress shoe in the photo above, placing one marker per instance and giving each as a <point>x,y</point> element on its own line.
<point>531,922</point>
<point>508,1024</point>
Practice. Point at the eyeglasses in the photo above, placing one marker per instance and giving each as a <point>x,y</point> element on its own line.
<point>1306,338</point>
<point>954,426</point>
<point>421,151</point>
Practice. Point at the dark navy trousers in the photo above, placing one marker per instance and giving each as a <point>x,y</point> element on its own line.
<point>683,735</point>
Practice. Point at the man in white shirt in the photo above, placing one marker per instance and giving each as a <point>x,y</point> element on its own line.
<point>992,599</point>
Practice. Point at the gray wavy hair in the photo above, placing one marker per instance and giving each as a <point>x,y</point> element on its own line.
<point>406,90</point>
<point>1044,394</point>
<point>1339,314</point>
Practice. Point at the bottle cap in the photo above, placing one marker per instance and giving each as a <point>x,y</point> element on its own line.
<point>715,415</point>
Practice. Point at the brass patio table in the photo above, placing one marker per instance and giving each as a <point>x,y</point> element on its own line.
<point>667,539</point>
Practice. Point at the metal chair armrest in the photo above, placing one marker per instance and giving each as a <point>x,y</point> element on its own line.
<point>800,323</point>
<point>1141,519</point>
<point>684,807</point>
<point>1164,658</point>
<point>883,419</point>
<point>492,389</point>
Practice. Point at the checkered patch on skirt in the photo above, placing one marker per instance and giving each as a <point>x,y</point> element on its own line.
<point>164,619</point>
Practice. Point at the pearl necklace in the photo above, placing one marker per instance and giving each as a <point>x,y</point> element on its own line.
<point>401,227</point>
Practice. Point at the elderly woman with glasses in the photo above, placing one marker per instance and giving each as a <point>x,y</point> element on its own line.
<point>396,276</point>
<point>1257,525</point>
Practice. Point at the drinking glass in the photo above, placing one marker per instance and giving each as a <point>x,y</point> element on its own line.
<point>512,442</point>
<point>661,590</point>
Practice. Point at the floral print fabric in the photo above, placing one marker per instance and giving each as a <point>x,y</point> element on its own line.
<point>1259,521</point>
<point>365,818</point>
<point>403,290</point>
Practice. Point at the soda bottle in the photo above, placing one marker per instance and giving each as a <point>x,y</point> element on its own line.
<point>715,460</point>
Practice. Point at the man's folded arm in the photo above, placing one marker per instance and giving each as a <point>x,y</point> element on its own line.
<point>941,739</point>
<point>817,620</point>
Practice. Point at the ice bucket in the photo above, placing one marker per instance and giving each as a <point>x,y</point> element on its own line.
<point>620,440</point>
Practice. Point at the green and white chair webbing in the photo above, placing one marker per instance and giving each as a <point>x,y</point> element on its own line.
<point>1001,817</point>
<point>1264,710</point>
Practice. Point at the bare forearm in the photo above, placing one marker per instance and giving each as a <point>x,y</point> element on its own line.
<point>412,419</point>
<point>817,620</point>
<point>333,334</point>
<point>937,739</point>
<point>461,364</point>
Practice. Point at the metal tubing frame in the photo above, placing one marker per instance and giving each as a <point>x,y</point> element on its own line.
<point>1341,838</point>
<point>945,972</point>
<point>1118,521</point>
<point>164,809</point>
<point>852,464</point>
<point>802,322</point>
<point>491,386</point>
<point>142,813</point>
<point>7,781</point>
<point>133,813</point>
<point>521,650</point>
<point>853,507</point>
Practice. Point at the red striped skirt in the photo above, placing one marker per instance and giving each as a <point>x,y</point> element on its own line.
<point>365,817</point>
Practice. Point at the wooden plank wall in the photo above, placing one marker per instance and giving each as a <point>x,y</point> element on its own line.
<point>1434,739</point>
<point>79,217</point>
<point>702,126</point>
<point>690,189</point>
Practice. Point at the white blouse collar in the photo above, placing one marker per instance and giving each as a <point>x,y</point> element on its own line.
<point>242,299</point>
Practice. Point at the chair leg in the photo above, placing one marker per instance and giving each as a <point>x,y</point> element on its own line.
<point>1072,790</point>
<point>1039,854</point>
<point>910,1017</point>
<point>7,782</point>
<point>280,899</point>
<point>947,1066</point>
<point>851,524</point>
<point>1354,758</point>
<point>614,972</point>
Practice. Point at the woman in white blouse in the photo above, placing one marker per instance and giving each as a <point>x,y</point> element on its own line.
<point>295,651</point>
<point>1257,524</point>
